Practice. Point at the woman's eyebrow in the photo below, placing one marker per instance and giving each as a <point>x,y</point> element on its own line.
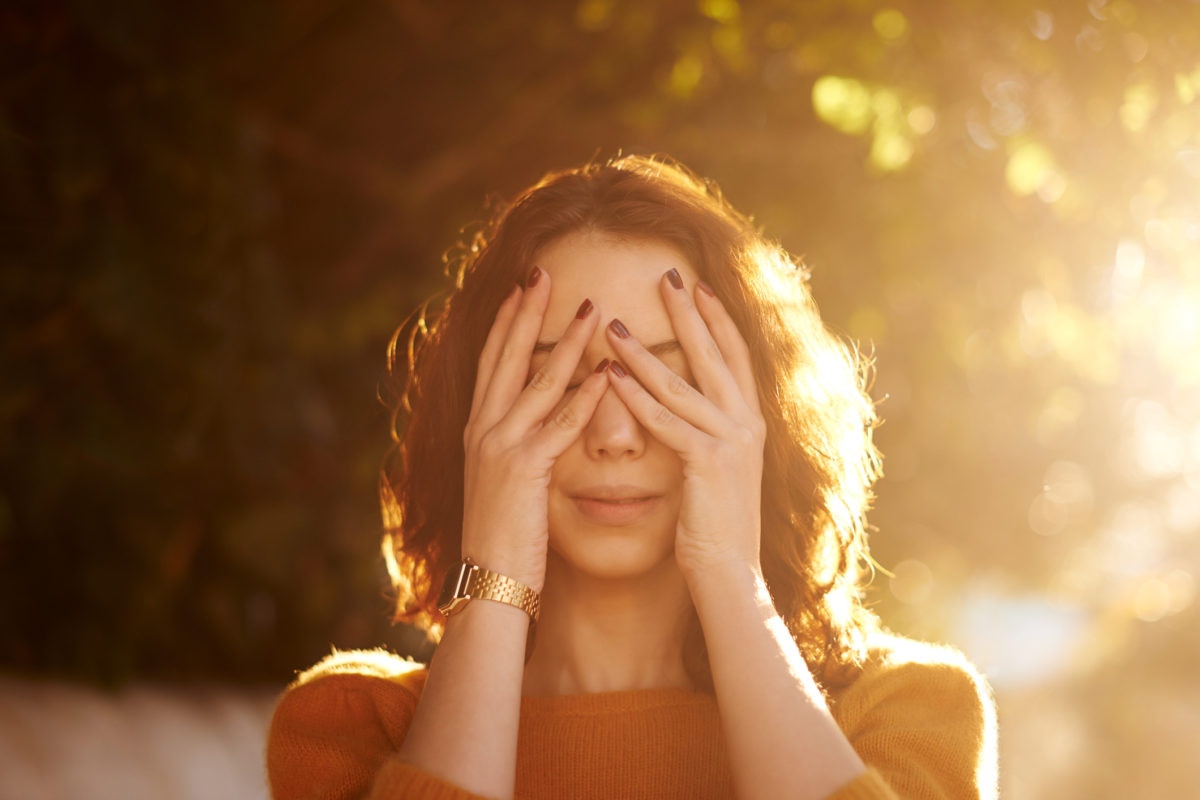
<point>661,349</point>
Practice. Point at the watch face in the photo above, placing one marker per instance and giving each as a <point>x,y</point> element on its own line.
<point>453,597</point>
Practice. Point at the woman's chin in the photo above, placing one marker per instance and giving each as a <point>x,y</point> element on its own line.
<point>612,557</point>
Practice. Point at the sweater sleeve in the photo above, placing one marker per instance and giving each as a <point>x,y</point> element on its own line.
<point>335,733</point>
<point>923,721</point>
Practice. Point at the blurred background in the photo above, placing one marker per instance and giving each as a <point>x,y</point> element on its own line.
<point>215,215</point>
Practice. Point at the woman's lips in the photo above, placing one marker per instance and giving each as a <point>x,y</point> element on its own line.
<point>616,510</point>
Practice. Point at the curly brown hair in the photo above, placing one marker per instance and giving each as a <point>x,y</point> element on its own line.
<point>820,461</point>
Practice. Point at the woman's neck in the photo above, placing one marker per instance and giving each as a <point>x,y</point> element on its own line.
<point>602,635</point>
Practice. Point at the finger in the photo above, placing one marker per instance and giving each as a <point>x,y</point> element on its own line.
<point>704,355</point>
<point>545,389</point>
<point>733,347</point>
<point>516,349</point>
<point>491,347</point>
<point>666,385</point>
<point>564,425</point>
<point>662,423</point>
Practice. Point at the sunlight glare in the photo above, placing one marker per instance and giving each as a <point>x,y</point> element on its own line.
<point>1020,640</point>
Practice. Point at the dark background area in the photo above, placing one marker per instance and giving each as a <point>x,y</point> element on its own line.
<point>214,217</point>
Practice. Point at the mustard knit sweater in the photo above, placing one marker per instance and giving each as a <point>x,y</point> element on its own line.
<point>918,715</point>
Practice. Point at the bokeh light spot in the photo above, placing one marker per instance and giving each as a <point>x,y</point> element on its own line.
<point>912,582</point>
<point>1136,46</point>
<point>1041,24</point>
<point>593,15</point>
<point>1128,266</point>
<point>723,11</point>
<point>1030,167</point>
<point>843,103</point>
<point>921,120</point>
<point>1154,598</point>
<point>685,76</point>
<point>891,150</point>
<point>1182,510</point>
<point>1123,12</point>
<point>1187,85</point>
<point>1140,102</point>
<point>1158,446</point>
<point>1189,159</point>
<point>890,24</point>
<point>730,45</point>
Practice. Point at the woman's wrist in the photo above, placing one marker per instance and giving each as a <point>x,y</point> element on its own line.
<point>524,565</point>
<point>714,583</point>
<point>508,569</point>
<point>470,581</point>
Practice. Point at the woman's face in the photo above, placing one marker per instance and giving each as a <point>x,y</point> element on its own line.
<point>615,492</point>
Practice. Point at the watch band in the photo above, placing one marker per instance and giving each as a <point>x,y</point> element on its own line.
<point>468,581</point>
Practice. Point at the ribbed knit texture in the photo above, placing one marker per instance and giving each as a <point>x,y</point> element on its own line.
<point>919,717</point>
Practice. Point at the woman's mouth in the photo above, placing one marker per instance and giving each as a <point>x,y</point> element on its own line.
<point>611,508</point>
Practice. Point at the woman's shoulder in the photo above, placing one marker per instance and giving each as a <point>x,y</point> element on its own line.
<point>919,711</point>
<point>897,666</point>
<point>887,652</point>
<point>357,682</point>
<point>363,666</point>
<point>352,688</point>
<point>339,720</point>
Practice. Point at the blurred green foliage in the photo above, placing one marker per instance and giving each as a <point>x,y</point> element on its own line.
<point>215,216</point>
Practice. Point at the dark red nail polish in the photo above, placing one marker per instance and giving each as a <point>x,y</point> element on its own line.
<point>620,330</point>
<point>617,369</point>
<point>673,277</point>
<point>532,279</point>
<point>603,365</point>
<point>585,308</point>
<point>704,287</point>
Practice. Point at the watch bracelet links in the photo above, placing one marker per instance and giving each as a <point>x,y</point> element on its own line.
<point>488,585</point>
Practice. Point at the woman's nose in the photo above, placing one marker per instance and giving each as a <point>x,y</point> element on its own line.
<point>613,431</point>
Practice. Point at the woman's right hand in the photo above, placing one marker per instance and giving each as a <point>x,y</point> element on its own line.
<point>518,428</point>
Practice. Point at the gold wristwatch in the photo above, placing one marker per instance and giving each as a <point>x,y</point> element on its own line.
<point>468,581</point>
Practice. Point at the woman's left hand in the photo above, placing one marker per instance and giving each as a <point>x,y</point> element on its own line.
<point>716,427</point>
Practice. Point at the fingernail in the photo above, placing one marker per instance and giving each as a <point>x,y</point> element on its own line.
<point>617,369</point>
<point>533,276</point>
<point>603,365</point>
<point>585,308</point>
<point>704,287</point>
<point>673,277</point>
<point>620,330</point>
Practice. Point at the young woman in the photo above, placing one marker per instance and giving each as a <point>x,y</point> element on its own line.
<point>637,466</point>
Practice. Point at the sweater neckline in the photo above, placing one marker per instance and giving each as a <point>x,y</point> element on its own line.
<point>625,701</point>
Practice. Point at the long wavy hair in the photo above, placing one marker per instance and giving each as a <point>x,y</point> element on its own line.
<point>819,463</point>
